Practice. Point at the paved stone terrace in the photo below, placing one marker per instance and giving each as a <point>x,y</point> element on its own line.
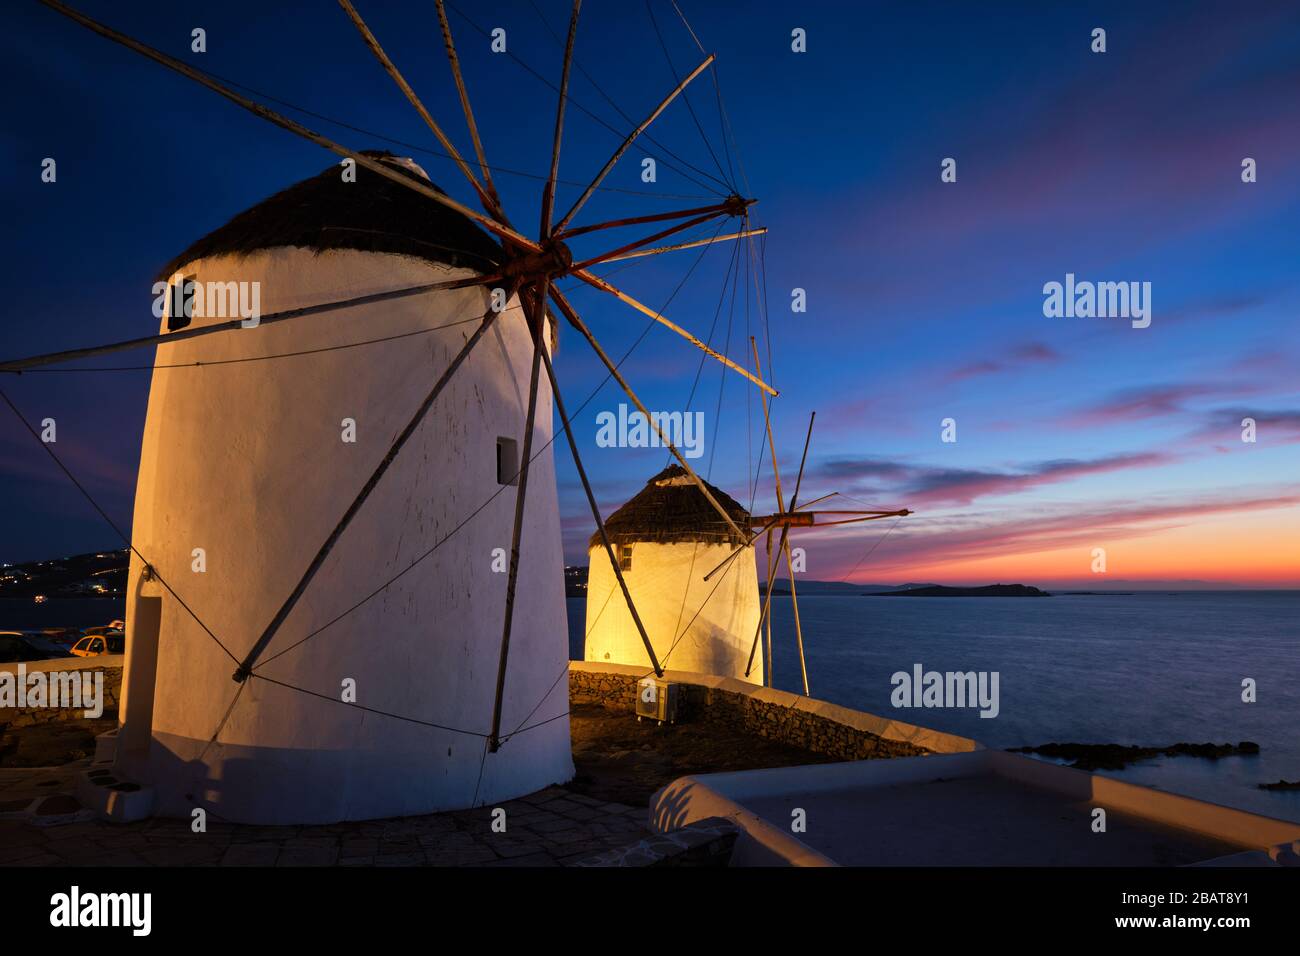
<point>599,818</point>
<point>549,828</point>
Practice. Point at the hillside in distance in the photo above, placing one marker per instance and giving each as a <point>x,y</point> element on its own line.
<point>988,590</point>
<point>782,586</point>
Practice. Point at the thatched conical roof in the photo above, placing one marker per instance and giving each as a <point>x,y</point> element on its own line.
<point>671,508</point>
<point>373,214</point>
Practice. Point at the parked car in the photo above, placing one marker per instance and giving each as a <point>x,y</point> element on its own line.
<point>96,644</point>
<point>17,647</point>
<point>116,627</point>
<point>63,636</point>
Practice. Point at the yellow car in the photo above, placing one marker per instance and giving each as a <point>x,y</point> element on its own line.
<point>99,644</point>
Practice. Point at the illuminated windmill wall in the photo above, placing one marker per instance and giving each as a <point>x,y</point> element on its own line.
<point>246,460</point>
<point>667,537</point>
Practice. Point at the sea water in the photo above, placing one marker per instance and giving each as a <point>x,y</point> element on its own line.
<point>1146,668</point>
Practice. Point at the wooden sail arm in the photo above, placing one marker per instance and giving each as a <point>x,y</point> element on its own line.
<point>595,514</point>
<point>899,514</point>
<point>487,198</point>
<point>575,320</point>
<point>631,137</point>
<point>250,659</point>
<point>602,285</point>
<point>765,522</point>
<point>678,246</point>
<point>733,206</point>
<point>621,251</point>
<point>798,519</point>
<point>808,519</point>
<point>548,191</point>
<point>521,491</point>
<point>454,60</point>
<point>808,504</point>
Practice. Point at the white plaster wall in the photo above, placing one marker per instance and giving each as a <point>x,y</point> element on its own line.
<point>246,461</point>
<point>667,584</point>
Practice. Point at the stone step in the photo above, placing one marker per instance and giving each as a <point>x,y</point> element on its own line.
<point>106,745</point>
<point>112,797</point>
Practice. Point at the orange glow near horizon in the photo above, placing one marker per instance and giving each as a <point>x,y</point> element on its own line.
<point>1257,550</point>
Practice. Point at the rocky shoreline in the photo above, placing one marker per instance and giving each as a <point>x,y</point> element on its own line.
<point>1117,756</point>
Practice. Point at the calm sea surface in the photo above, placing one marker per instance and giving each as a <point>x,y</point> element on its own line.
<point>1146,668</point>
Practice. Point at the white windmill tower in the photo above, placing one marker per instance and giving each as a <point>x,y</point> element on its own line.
<point>666,537</point>
<point>691,579</point>
<point>241,470</point>
<point>373,673</point>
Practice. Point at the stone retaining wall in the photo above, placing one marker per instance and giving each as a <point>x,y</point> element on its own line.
<point>741,711</point>
<point>15,718</point>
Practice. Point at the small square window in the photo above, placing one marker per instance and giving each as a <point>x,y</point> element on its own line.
<point>180,303</point>
<point>625,557</point>
<point>507,461</point>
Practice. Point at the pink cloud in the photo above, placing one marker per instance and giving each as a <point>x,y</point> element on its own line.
<point>922,485</point>
<point>1028,354</point>
<point>916,542</point>
<point>1152,402</point>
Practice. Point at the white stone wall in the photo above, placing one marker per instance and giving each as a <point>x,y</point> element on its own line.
<point>246,461</point>
<point>668,586</point>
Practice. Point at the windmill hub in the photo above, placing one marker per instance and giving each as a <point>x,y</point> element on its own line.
<point>737,205</point>
<point>553,259</point>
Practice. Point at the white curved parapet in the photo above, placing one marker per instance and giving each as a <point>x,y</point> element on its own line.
<point>982,808</point>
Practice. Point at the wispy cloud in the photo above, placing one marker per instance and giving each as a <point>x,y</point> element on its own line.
<point>1153,401</point>
<point>1031,353</point>
<point>1271,427</point>
<point>920,484</point>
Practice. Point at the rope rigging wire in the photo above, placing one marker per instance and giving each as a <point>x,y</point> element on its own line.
<point>103,514</point>
<point>756,265</point>
<point>635,345</point>
<point>431,724</point>
<point>279,355</point>
<point>591,397</point>
<point>681,634</point>
<point>110,522</point>
<point>725,122</point>
<point>690,572</point>
<point>873,547</point>
<point>685,94</point>
<point>717,86</point>
<point>565,669</point>
<point>608,99</point>
<point>441,154</point>
<point>257,358</point>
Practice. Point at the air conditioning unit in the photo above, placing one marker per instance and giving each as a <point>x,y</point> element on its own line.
<point>657,700</point>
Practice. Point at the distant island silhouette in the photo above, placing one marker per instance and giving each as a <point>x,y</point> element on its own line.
<point>988,590</point>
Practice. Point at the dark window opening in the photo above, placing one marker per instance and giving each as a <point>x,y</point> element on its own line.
<point>180,305</point>
<point>625,558</point>
<point>507,461</point>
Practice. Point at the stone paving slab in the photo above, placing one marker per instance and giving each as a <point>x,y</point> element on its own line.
<point>702,843</point>
<point>550,828</point>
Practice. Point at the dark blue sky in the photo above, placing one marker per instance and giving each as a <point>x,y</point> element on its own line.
<point>925,299</point>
